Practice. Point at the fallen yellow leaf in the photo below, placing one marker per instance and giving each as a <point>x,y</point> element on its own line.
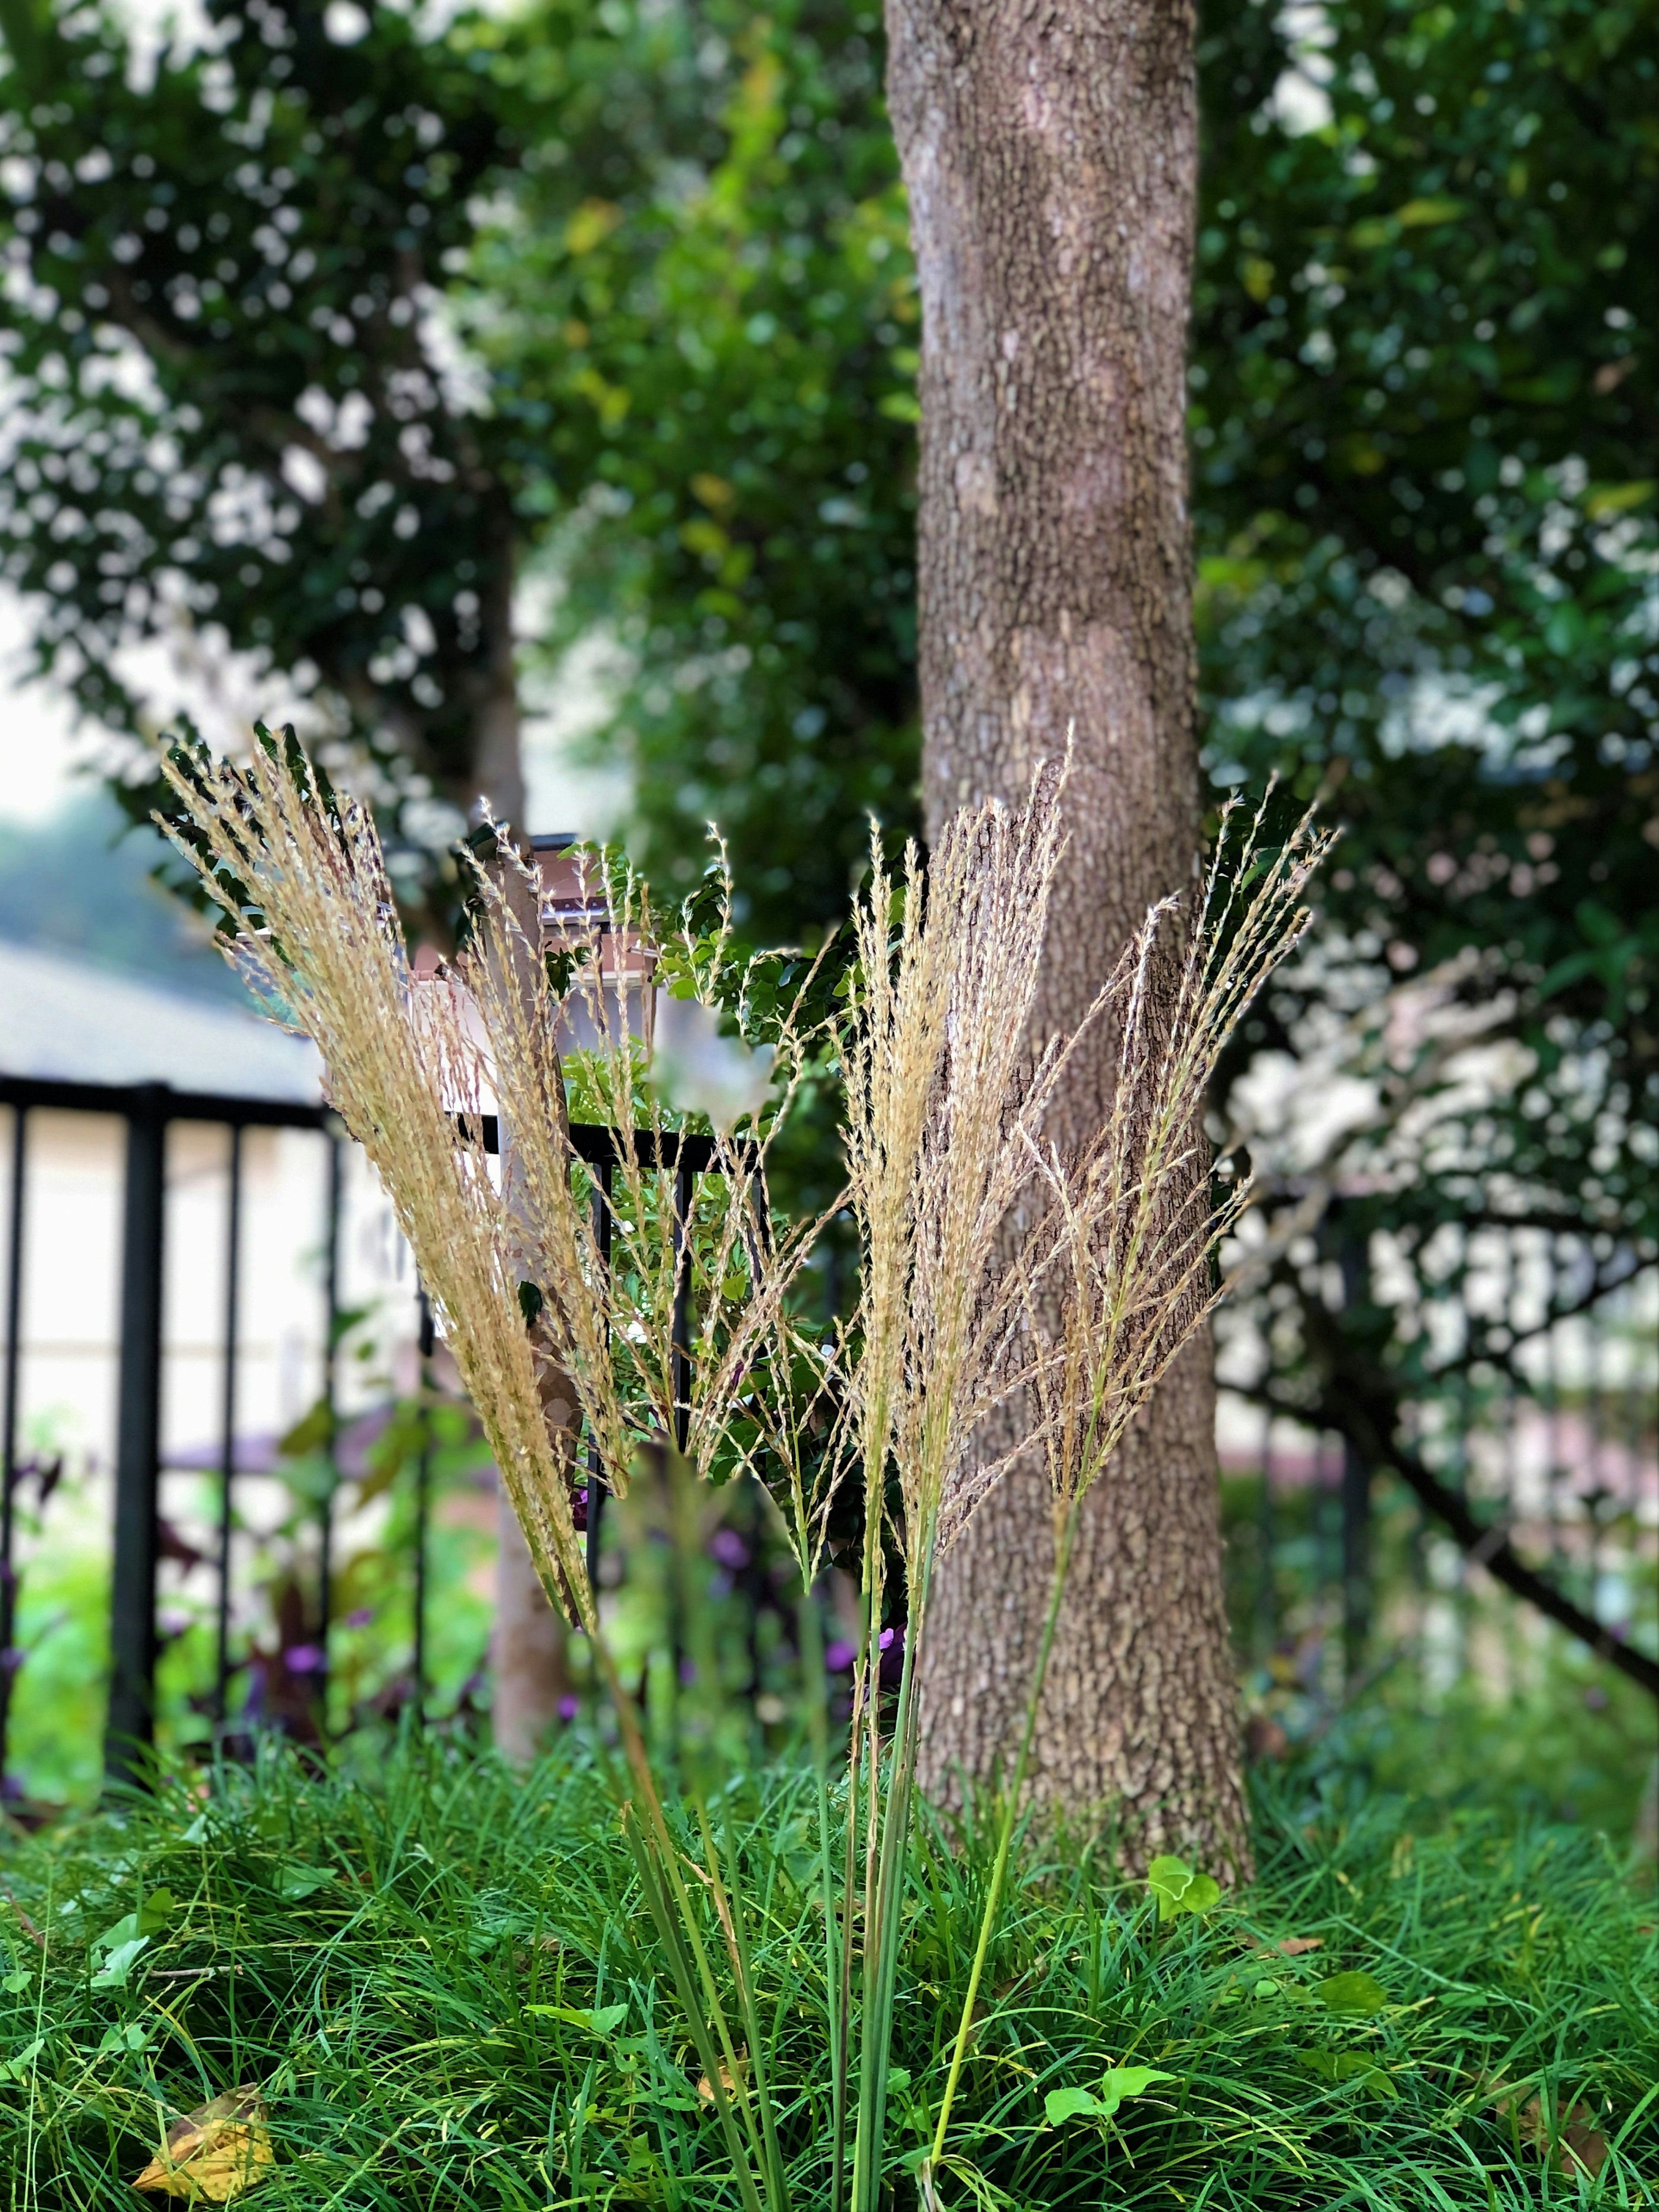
<point>214,2153</point>
<point>705,2089</point>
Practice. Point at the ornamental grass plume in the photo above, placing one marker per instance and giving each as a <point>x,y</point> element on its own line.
<point>532,1295</point>
<point>312,923</point>
<point>1117,1271</point>
<point>657,1310</point>
<point>648,1307</point>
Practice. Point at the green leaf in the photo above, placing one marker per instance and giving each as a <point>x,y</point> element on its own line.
<point>297,1881</point>
<point>1337,2067</point>
<point>313,1431</point>
<point>1422,214</point>
<point>17,2069</point>
<point>116,1968</point>
<point>1618,499</point>
<point>1118,2083</point>
<point>151,1916</point>
<point>1358,1995</point>
<point>604,2021</point>
<point>15,1984</point>
<point>1062,2105</point>
<point>1179,1889</point>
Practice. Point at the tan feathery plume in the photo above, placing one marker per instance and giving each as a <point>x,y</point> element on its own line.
<point>302,878</point>
<point>1120,1274</point>
<point>659,1321</point>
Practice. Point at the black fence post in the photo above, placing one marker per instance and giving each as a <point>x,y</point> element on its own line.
<point>1353,1260</point>
<point>682,1323</point>
<point>595,1465</point>
<point>331,1400</point>
<point>1267,1595</point>
<point>9,1435</point>
<point>227,1419</point>
<point>131,1722</point>
<point>423,1498</point>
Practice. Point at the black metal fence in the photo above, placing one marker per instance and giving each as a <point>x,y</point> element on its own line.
<point>139,1529</point>
<point>1531,1451</point>
<point>147,1111</point>
<point>1508,1408</point>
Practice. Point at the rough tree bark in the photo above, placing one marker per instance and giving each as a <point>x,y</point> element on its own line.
<point>526,1648</point>
<point>1050,156</point>
<point>527,1638</point>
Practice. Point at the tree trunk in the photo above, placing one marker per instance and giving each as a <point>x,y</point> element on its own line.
<point>526,1648</point>
<point>528,1644</point>
<point>497,757</point>
<point>1050,156</point>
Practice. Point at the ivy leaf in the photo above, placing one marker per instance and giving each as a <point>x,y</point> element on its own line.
<point>122,1943</point>
<point>1337,2067</point>
<point>1178,1888</point>
<point>18,2069</point>
<point>1062,2105</point>
<point>1118,2083</point>
<point>118,1966</point>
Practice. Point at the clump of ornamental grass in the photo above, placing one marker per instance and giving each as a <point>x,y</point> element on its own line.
<point>664,1330</point>
<point>440,1974</point>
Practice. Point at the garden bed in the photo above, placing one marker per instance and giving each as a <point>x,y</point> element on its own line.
<point>442,1983</point>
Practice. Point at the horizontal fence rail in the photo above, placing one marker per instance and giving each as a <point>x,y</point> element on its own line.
<point>139,1532</point>
<point>1525,1433</point>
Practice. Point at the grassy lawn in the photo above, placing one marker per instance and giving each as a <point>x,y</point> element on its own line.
<point>442,1981</point>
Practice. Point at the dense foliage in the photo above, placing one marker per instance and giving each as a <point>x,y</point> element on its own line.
<point>726,367</point>
<point>1424,410</point>
<point>224,416</point>
<point>442,1982</point>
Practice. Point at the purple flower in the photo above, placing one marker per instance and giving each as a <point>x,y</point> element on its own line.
<point>11,1659</point>
<point>729,1548</point>
<point>688,1670</point>
<point>568,1707</point>
<point>304,1658</point>
<point>839,1655</point>
<point>887,1636</point>
<point>360,1617</point>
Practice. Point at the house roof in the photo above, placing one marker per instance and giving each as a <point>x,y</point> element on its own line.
<point>68,1021</point>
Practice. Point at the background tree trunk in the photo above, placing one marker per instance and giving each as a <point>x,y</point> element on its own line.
<point>528,1643</point>
<point>526,1648</point>
<point>1050,154</point>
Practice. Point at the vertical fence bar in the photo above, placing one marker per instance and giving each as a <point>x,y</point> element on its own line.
<point>1356,1558</point>
<point>1553,1399</point>
<point>331,1391</point>
<point>681,1301</point>
<point>595,1485</point>
<point>8,1432</point>
<point>1589,1501</point>
<point>228,1418</point>
<point>131,1718</point>
<point>1353,1260</point>
<point>1267,1597</point>
<point>422,1499</point>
